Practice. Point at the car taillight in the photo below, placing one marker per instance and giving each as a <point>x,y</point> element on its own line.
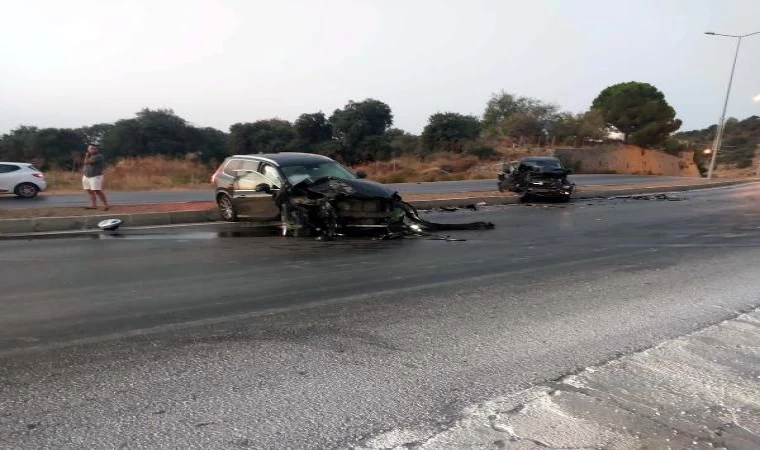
<point>216,172</point>
<point>38,175</point>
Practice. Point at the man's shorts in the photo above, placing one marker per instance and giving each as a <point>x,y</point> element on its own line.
<point>92,183</point>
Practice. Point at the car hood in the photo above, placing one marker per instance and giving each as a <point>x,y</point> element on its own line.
<point>334,187</point>
<point>549,173</point>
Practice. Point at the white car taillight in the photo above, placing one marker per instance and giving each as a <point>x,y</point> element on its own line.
<point>38,175</point>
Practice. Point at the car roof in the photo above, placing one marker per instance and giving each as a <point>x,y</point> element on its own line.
<point>287,158</point>
<point>540,158</point>
<point>16,163</point>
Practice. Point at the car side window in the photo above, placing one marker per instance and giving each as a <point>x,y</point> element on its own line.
<point>8,168</point>
<point>251,165</point>
<point>248,181</point>
<point>272,174</point>
<point>232,166</point>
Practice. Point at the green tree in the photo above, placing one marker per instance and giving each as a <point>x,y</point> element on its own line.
<point>124,139</point>
<point>374,148</point>
<point>312,129</point>
<point>263,136</point>
<point>93,134</point>
<point>576,128</point>
<point>46,147</point>
<point>639,111</point>
<point>212,144</point>
<point>403,143</point>
<point>510,115</point>
<point>522,124</point>
<point>333,149</point>
<point>16,145</point>
<point>358,121</point>
<point>151,132</point>
<point>592,125</point>
<point>449,132</point>
<point>56,147</point>
<point>156,132</point>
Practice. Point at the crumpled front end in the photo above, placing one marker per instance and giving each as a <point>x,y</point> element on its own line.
<point>548,183</point>
<point>331,207</point>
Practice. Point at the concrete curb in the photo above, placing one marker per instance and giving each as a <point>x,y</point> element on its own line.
<point>45,224</point>
<point>48,224</point>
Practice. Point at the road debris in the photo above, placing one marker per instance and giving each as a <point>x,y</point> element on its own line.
<point>667,197</point>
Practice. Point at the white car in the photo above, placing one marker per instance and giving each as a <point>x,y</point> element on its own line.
<point>21,179</point>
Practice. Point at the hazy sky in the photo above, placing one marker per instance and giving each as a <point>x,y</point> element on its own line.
<point>75,62</point>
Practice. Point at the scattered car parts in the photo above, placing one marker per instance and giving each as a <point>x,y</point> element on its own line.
<point>109,224</point>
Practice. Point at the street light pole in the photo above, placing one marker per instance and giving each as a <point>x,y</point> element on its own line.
<point>722,123</point>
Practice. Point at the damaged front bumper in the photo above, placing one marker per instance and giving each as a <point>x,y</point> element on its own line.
<point>331,207</point>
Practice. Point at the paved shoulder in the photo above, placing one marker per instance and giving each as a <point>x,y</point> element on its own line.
<point>699,391</point>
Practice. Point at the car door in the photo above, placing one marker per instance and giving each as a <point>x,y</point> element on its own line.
<point>253,196</point>
<point>9,174</point>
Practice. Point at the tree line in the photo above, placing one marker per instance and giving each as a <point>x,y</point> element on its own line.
<point>741,140</point>
<point>361,131</point>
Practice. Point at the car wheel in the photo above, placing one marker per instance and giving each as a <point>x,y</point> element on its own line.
<point>26,190</point>
<point>501,188</point>
<point>226,208</point>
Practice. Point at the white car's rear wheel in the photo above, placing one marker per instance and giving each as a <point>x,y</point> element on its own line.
<point>26,190</point>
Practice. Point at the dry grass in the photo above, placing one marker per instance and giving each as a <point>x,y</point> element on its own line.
<point>446,166</point>
<point>161,173</point>
<point>137,174</point>
<point>436,167</point>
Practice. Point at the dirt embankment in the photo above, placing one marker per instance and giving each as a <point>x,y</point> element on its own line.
<point>627,159</point>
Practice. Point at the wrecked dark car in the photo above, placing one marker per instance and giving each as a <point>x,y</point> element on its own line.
<point>537,176</point>
<point>308,194</point>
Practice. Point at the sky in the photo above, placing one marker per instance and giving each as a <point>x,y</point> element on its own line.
<point>218,62</point>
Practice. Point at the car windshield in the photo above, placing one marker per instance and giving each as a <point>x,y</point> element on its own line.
<point>299,172</point>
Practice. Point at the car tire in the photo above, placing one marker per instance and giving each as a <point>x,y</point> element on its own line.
<point>226,208</point>
<point>26,190</point>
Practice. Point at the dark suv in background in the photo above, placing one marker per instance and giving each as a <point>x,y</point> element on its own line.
<point>537,176</point>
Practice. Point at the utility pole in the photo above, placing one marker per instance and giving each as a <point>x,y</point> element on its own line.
<point>722,122</point>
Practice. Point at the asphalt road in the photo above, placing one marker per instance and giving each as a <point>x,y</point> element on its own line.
<point>212,337</point>
<point>10,202</point>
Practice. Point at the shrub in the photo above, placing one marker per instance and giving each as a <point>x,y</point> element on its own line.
<point>483,152</point>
